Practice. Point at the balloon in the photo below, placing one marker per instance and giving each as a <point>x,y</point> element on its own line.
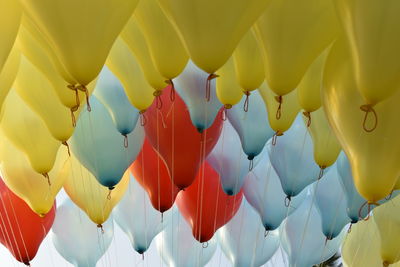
<point>303,240</point>
<point>244,241</point>
<point>209,31</point>
<point>292,159</point>
<point>124,66</point>
<point>331,204</point>
<point>177,246</point>
<point>374,161</point>
<point>166,49</point>
<point>82,43</point>
<point>111,94</point>
<point>190,87</point>
<point>252,125</point>
<point>263,191</point>
<point>75,238</point>
<point>8,73</point>
<point>228,89</point>
<point>229,160</point>
<point>137,218</point>
<point>29,134</point>
<point>177,141</point>
<point>205,206</point>
<point>156,181</point>
<point>22,231</point>
<point>98,145</point>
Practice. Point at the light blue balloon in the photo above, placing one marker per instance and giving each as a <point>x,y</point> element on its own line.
<point>263,191</point>
<point>244,240</point>
<point>112,95</point>
<point>191,87</point>
<point>293,158</point>
<point>99,147</point>
<point>76,238</point>
<point>331,203</point>
<point>252,126</point>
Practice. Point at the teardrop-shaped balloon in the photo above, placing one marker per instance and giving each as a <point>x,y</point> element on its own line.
<point>76,239</point>
<point>112,95</point>
<point>190,87</point>
<point>228,90</point>
<point>292,159</point>
<point>150,170</point>
<point>205,205</point>
<point>100,147</point>
<point>263,191</point>
<point>177,141</point>
<point>374,161</point>
<point>244,240</point>
<point>22,230</point>
<point>137,218</point>
<point>252,125</point>
<point>9,73</point>
<point>84,190</point>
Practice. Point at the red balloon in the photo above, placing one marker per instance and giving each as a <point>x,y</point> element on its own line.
<point>150,171</point>
<point>170,131</point>
<point>205,205</point>
<point>21,230</point>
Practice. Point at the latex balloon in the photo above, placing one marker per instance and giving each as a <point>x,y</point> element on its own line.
<point>111,93</point>
<point>263,191</point>
<point>22,231</point>
<point>205,206</point>
<point>99,146</point>
<point>177,246</point>
<point>84,190</point>
<point>8,73</point>
<point>228,89</point>
<point>75,238</point>
<point>123,64</point>
<point>251,125</point>
<point>137,218</point>
<point>326,145</point>
<point>83,43</point>
<point>331,204</point>
<point>303,240</point>
<point>292,159</point>
<point>166,49</point>
<point>244,241</point>
<point>229,160</point>
<point>375,174</point>
<point>177,141</point>
<point>190,87</point>
<point>211,34</point>
<point>29,134</point>
<point>150,170</point>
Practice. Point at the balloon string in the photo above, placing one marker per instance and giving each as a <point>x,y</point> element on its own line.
<point>279,99</point>
<point>307,114</point>
<point>125,140</point>
<point>204,244</point>
<point>85,90</point>
<point>251,164</point>
<point>66,144</point>
<point>246,102</point>
<point>275,137</point>
<point>172,92</point>
<point>46,175</point>
<point>157,95</point>
<point>208,85</point>
<point>288,199</point>
<point>321,172</point>
<point>369,109</point>
<point>142,117</point>
<point>100,226</point>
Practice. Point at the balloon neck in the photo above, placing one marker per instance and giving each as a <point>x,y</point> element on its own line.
<point>385,264</point>
<point>208,85</point>
<point>100,226</point>
<point>27,263</point>
<point>227,106</point>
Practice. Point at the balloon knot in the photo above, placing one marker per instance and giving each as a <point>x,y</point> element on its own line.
<point>66,144</point>
<point>385,264</point>
<point>73,88</point>
<point>46,175</point>
<point>349,230</point>
<point>266,233</point>
<point>246,102</point>
<point>204,244</point>
<point>369,109</point>
<point>172,93</point>
<point>157,95</point>
<point>227,106</point>
<point>100,226</point>
<point>389,196</point>
<point>224,113</point>
<point>27,263</point>
<point>208,85</point>
<point>288,199</point>
<point>275,137</point>
<point>307,114</point>
<point>251,164</point>
<point>162,217</point>
<point>279,99</point>
<point>142,117</point>
<point>368,204</point>
<point>125,140</point>
<point>86,91</point>
<point>321,172</point>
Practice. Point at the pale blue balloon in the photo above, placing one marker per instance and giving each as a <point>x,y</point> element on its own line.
<point>252,126</point>
<point>263,191</point>
<point>99,146</point>
<point>331,204</point>
<point>191,87</point>
<point>244,240</point>
<point>293,158</point>
<point>76,237</point>
<point>112,95</point>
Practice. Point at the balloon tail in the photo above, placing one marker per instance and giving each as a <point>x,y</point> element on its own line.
<point>321,172</point>
<point>142,118</point>
<point>172,93</point>
<point>349,230</point>
<point>251,164</point>
<point>109,193</point>
<point>275,137</point>
<point>66,144</point>
<point>142,256</point>
<point>279,99</point>
<point>266,233</point>
<point>85,90</point>
<point>208,85</point>
<point>368,204</point>
<point>246,102</point>
<point>369,109</point>
<point>308,116</point>
<point>326,240</point>
<point>157,95</point>
<point>389,196</point>
<point>288,199</point>
<point>162,217</point>
<point>100,226</point>
<point>46,175</point>
<point>204,244</point>
<point>125,140</point>
<point>73,88</point>
<point>385,264</point>
<point>27,263</point>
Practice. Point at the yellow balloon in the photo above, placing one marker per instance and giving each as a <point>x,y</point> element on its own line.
<point>84,190</point>
<point>29,133</point>
<point>249,64</point>
<point>373,156</point>
<point>228,89</point>
<point>8,73</point>
<point>166,49</point>
<point>82,33</point>
<point>123,64</point>
<point>326,146</point>
<point>32,187</point>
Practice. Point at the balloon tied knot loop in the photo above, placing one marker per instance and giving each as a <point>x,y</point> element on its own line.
<point>307,114</point>
<point>172,93</point>
<point>125,140</point>
<point>369,109</point>
<point>275,137</point>
<point>251,164</point>
<point>142,256</point>
<point>142,117</point>
<point>385,264</point>
<point>208,85</point>
<point>109,192</point>
<point>100,226</point>
<point>86,91</point>
<point>66,144</point>
<point>349,230</point>
<point>321,172</point>
<point>389,196</point>
<point>369,205</point>
<point>162,217</point>
<point>279,99</point>
<point>46,175</point>
<point>288,199</point>
<point>73,88</point>
<point>266,233</point>
<point>246,102</point>
<point>157,94</point>
<point>205,244</point>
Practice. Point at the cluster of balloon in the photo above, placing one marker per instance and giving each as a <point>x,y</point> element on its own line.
<point>21,230</point>
<point>205,206</point>
<point>244,241</point>
<point>70,223</point>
